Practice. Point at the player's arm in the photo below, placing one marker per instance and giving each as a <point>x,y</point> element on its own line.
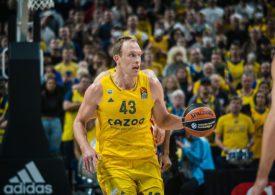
<point>163,118</point>
<point>166,162</point>
<point>97,79</point>
<point>86,111</point>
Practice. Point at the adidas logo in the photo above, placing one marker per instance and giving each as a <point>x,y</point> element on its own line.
<point>28,181</point>
<point>111,100</point>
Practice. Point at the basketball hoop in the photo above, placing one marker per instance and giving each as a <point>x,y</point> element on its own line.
<point>35,5</point>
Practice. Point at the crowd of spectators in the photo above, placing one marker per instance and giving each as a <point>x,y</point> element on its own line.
<point>203,51</point>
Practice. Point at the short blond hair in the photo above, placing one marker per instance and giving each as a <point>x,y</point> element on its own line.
<point>119,42</point>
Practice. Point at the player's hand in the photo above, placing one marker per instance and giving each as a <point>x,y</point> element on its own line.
<point>165,163</point>
<point>159,135</point>
<point>259,186</point>
<point>90,158</point>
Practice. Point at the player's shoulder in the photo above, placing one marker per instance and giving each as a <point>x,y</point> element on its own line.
<point>103,74</point>
<point>153,79</point>
<point>94,92</point>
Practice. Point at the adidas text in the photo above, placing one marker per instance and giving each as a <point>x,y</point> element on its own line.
<point>28,188</point>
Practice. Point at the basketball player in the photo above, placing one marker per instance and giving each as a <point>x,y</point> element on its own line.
<point>124,101</point>
<point>268,150</point>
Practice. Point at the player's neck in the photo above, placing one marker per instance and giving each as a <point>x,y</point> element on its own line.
<point>124,81</point>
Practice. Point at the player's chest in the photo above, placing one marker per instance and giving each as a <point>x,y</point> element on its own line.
<point>126,103</point>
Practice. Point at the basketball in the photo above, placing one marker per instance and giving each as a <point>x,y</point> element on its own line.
<point>200,120</point>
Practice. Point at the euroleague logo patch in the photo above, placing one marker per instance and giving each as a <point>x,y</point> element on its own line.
<point>143,93</point>
<point>194,125</point>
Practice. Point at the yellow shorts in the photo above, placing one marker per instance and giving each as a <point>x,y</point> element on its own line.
<point>122,176</point>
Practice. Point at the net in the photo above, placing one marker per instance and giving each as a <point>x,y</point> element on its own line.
<point>40,4</point>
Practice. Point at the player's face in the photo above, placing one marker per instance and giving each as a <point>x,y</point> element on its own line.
<point>130,58</point>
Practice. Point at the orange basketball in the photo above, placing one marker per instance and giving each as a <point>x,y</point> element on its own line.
<point>200,120</point>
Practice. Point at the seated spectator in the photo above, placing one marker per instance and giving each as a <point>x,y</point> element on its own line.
<point>264,75</point>
<point>247,93</point>
<point>185,81</point>
<point>55,51</point>
<point>175,61</point>
<point>170,84</point>
<point>67,68</point>
<point>208,71</point>
<point>206,96</point>
<point>149,63</point>
<point>159,45</point>
<point>218,92</point>
<point>235,64</point>
<point>132,30</point>
<point>196,64</point>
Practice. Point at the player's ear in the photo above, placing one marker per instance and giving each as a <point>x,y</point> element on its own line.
<point>116,58</point>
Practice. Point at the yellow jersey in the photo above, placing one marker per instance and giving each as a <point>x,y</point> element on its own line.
<point>123,128</point>
<point>138,35</point>
<point>223,85</point>
<point>145,26</point>
<point>236,71</point>
<point>65,69</point>
<point>156,67</point>
<point>235,130</point>
<point>157,45</point>
<point>67,134</point>
<point>259,120</point>
<point>247,100</point>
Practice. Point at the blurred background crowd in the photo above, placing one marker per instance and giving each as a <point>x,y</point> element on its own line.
<point>203,51</point>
